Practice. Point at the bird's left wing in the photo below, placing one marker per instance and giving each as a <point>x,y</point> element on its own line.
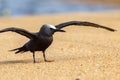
<point>84,23</point>
<point>19,31</point>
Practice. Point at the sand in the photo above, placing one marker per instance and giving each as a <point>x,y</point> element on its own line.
<point>82,53</point>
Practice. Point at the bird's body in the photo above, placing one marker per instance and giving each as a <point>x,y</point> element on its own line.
<point>38,44</point>
<point>41,40</point>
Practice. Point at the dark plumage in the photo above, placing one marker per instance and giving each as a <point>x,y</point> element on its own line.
<point>41,40</point>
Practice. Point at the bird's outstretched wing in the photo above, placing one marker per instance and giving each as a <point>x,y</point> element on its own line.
<point>84,23</point>
<point>19,31</point>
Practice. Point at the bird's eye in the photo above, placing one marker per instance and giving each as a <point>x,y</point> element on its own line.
<point>51,28</point>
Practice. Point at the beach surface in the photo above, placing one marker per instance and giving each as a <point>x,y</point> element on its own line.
<point>82,53</point>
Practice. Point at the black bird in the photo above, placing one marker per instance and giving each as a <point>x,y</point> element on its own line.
<point>42,39</point>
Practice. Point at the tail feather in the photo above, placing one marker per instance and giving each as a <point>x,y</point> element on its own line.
<point>19,50</point>
<point>14,49</point>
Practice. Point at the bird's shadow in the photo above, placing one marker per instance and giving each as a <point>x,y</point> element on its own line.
<point>25,61</point>
<point>16,61</point>
<point>22,61</point>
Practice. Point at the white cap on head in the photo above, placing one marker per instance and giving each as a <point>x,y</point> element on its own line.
<point>50,26</point>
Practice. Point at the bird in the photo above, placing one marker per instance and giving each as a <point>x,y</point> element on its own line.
<point>41,40</point>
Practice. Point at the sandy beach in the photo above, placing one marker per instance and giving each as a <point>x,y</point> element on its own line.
<point>82,53</point>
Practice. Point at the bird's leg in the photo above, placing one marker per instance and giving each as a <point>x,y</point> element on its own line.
<point>45,57</point>
<point>34,57</point>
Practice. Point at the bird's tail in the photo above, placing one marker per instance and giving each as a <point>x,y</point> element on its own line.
<point>19,50</point>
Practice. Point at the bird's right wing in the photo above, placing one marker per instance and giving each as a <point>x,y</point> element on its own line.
<point>82,23</point>
<point>19,31</point>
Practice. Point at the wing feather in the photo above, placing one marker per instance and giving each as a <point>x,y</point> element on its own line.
<point>82,23</point>
<point>19,31</point>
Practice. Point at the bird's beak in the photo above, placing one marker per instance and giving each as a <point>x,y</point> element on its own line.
<point>58,30</point>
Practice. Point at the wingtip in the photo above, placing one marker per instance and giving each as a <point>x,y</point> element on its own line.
<point>114,30</point>
<point>110,29</point>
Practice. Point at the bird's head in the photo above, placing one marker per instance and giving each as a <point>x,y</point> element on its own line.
<point>49,30</point>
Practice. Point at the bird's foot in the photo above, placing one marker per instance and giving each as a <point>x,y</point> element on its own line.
<point>34,62</point>
<point>49,60</point>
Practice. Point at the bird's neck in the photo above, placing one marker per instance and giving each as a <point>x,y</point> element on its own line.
<point>44,34</point>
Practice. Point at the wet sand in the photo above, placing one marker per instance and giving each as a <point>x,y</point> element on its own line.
<point>83,53</point>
